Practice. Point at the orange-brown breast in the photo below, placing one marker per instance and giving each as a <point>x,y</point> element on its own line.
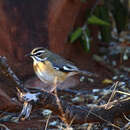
<point>47,73</point>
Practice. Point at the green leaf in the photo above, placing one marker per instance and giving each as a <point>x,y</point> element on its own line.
<point>75,35</point>
<point>95,20</point>
<point>86,40</point>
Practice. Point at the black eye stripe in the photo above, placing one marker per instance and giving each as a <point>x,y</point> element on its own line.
<point>38,54</point>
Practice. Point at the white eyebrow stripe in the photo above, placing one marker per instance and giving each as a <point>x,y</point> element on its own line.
<point>42,51</point>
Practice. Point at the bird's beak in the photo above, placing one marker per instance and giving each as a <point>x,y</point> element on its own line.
<point>29,54</point>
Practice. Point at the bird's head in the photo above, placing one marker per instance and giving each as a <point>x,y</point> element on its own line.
<point>39,54</point>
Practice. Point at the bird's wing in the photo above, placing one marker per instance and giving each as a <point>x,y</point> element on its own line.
<point>65,67</point>
<point>60,63</point>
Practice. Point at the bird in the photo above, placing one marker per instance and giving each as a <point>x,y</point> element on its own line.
<point>49,66</point>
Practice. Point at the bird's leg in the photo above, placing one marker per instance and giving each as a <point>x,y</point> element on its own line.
<point>53,89</point>
<point>54,85</point>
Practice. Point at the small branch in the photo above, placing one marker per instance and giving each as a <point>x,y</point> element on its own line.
<point>83,114</point>
<point>59,104</point>
<point>112,95</point>
<point>7,74</point>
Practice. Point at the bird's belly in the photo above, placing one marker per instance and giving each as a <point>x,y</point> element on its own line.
<point>45,77</point>
<point>47,74</point>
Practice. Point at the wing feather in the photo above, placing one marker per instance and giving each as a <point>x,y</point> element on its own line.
<point>60,63</point>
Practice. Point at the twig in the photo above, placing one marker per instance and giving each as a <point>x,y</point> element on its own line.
<point>58,102</point>
<point>127,126</point>
<point>126,117</point>
<point>96,102</point>
<point>112,95</point>
<point>79,113</point>
<point>123,93</point>
<point>90,112</point>
<point>7,73</point>
<point>4,126</point>
<point>47,121</point>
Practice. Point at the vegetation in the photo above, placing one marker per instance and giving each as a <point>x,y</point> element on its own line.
<point>101,15</point>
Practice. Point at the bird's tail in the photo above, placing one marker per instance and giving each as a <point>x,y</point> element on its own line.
<point>90,74</point>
